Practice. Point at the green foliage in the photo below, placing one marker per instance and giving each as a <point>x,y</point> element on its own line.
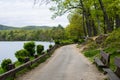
<point>21,55</point>
<point>92,45</point>
<point>74,30</point>
<point>42,34</point>
<point>50,46</point>
<point>91,53</point>
<point>112,43</point>
<point>5,64</point>
<point>75,40</point>
<point>30,47</point>
<point>113,53</point>
<point>94,15</point>
<point>81,41</point>
<point>113,38</point>
<point>92,49</point>
<point>40,48</point>
<point>58,32</point>
<point>65,42</point>
<point>57,41</point>
<point>1,70</point>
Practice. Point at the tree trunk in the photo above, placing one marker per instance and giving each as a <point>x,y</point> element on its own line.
<point>109,29</point>
<point>104,27</point>
<point>84,27</point>
<point>117,20</point>
<point>94,28</point>
<point>97,17</point>
<point>87,19</point>
<point>111,23</point>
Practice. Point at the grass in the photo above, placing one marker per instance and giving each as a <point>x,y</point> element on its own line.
<point>1,70</point>
<point>113,53</point>
<point>91,50</point>
<point>91,54</point>
<point>112,66</point>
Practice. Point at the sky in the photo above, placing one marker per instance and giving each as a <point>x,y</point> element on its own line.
<point>19,13</point>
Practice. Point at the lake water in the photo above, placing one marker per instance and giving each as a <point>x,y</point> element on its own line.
<point>8,49</point>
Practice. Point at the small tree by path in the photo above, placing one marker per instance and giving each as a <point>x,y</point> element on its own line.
<point>5,64</point>
<point>30,47</point>
<point>21,55</point>
<point>40,48</point>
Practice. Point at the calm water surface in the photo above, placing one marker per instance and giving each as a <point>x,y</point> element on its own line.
<point>8,49</point>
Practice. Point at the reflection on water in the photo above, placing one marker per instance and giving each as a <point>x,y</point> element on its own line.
<point>8,49</point>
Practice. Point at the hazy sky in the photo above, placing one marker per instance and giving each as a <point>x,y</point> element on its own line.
<point>20,13</point>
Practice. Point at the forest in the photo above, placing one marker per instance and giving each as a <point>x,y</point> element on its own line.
<point>86,18</point>
<point>32,34</point>
<point>93,17</point>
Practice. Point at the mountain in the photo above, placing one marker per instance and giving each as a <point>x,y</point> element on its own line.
<point>4,27</point>
<point>36,27</point>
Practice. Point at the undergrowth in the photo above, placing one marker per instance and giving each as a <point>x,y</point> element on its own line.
<point>111,46</point>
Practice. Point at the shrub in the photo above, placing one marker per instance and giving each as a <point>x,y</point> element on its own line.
<point>114,37</point>
<point>21,55</point>
<point>92,46</point>
<point>81,41</point>
<point>30,47</point>
<point>75,40</point>
<point>40,48</point>
<point>5,64</point>
<point>50,46</point>
<point>57,42</point>
<point>65,42</point>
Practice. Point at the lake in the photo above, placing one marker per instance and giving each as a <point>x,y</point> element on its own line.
<point>8,48</point>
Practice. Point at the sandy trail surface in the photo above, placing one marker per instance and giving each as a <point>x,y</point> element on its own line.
<point>67,63</point>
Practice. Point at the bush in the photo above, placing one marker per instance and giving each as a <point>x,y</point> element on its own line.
<point>57,42</point>
<point>21,55</point>
<point>92,46</point>
<point>50,46</point>
<point>65,42</point>
<point>113,37</point>
<point>30,47</point>
<point>5,64</point>
<point>81,41</point>
<point>40,48</point>
<point>75,40</point>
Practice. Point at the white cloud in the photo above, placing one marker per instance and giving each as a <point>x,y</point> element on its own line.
<point>24,12</point>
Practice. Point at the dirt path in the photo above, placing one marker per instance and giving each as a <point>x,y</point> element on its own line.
<point>66,64</point>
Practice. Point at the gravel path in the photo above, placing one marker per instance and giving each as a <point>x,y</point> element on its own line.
<point>67,63</point>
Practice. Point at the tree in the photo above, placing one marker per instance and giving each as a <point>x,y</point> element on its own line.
<point>5,64</point>
<point>40,48</point>
<point>98,15</point>
<point>75,30</point>
<point>105,16</point>
<point>30,47</point>
<point>22,54</point>
<point>58,33</point>
<point>84,7</point>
